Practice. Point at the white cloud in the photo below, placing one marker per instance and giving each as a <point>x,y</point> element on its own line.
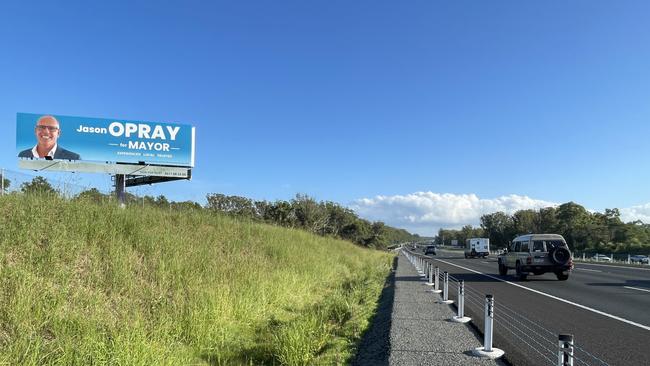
<point>634,213</point>
<point>425,212</point>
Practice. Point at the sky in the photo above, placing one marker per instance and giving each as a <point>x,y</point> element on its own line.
<point>422,114</point>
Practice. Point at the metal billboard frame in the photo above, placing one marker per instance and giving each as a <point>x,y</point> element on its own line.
<point>125,174</point>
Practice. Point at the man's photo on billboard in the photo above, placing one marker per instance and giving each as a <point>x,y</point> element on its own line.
<point>47,133</point>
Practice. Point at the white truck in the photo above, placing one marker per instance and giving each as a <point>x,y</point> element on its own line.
<point>477,247</point>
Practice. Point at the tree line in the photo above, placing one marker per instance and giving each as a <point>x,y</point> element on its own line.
<point>583,230</point>
<point>323,218</point>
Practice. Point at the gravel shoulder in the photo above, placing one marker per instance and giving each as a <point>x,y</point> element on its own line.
<point>411,328</point>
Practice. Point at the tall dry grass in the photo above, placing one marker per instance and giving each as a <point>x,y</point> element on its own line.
<point>91,284</point>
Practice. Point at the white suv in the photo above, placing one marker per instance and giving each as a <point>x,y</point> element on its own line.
<point>537,254</point>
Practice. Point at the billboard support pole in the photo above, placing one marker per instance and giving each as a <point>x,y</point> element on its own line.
<point>2,182</point>
<point>120,189</point>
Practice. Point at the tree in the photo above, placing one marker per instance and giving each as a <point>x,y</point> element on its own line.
<point>525,221</point>
<point>162,201</point>
<point>338,217</point>
<point>38,185</point>
<point>376,238</point>
<point>548,222</point>
<point>356,231</point>
<point>310,214</point>
<point>232,205</point>
<point>499,228</point>
<point>186,206</point>
<point>574,224</point>
<point>93,195</point>
<point>279,213</point>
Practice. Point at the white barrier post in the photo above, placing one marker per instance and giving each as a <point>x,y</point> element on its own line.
<point>565,350</point>
<point>487,351</point>
<point>445,290</point>
<point>430,283</point>
<point>436,277</point>
<point>425,268</point>
<point>461,318</point>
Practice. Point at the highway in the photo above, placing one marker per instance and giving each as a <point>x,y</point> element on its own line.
<point>605,307</point>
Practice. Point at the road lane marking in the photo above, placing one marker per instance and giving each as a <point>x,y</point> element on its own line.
<point>486,262</point>
<point>552,297</point>
<point>635,288</point>
<point>587,269</point>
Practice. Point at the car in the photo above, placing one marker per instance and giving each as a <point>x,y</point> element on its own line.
<point>430,249</point>
<point>641,259</point>
<point>601,258</point>
<point>537,254</point>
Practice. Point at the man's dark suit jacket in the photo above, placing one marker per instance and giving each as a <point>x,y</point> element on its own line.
<point>60,153</point>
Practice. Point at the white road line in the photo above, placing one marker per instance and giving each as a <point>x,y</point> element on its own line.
<point>587,269</point>
<point>634,288</point>
<point>486,262</point>
<point>552,297</point>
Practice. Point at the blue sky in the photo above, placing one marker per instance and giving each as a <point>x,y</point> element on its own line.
<point>423,114</point>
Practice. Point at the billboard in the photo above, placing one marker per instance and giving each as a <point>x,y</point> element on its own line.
<point>106,141</point>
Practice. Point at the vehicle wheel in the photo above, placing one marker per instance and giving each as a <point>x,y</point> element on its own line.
<point>520,275</point>
<point>560,256</point>
<point>503,270</point>
<point>561,276</point>
<point>465,256</point>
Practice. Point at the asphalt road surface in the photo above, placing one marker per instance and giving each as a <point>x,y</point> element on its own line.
<point>605,307</point>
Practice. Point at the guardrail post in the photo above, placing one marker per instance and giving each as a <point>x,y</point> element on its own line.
<point>424,268</point>
<point>628,259</point>
<point>461,318</point>
<point>430,283</point>
<point>489,321</point>
<point>487,351</point>
<point>445,290</point>
<point>436,278</point>
<point>565,350</point>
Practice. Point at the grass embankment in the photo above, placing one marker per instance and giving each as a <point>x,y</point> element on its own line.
<point>91,284</point>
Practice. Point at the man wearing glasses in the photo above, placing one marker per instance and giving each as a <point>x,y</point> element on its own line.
<point>47,132</point>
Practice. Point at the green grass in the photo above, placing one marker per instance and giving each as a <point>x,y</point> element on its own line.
<point>92,284</point>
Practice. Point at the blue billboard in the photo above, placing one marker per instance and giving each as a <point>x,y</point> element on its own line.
<point>57,137</point>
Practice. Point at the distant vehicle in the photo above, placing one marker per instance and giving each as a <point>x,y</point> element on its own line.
<point>642,259</point>
<point>601,258</point>
<point>477,247</point>
<point>430,249</point>
<point>537,254</point>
